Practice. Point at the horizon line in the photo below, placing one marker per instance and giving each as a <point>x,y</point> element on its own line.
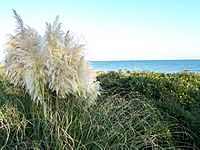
<point>146,60</point>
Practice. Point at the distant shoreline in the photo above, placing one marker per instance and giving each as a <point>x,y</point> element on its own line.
<point>165,66</point>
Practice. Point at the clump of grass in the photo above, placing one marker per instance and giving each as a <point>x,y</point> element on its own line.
<point>42,65</point>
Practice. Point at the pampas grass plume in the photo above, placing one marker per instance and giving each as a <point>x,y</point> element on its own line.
<point>51,61</point>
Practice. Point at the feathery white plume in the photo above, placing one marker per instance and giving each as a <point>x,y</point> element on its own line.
<point>55,60</point>
<point>24,61</point>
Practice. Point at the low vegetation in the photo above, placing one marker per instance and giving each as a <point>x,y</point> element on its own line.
<point>129,114</point>
<point>176,96</point>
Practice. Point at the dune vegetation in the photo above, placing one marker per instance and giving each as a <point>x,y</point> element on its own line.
<point>50,98</point>
<point>136,110</point>
<point>175,96</point>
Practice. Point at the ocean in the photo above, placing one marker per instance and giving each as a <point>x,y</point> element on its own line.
<point>167,66</point>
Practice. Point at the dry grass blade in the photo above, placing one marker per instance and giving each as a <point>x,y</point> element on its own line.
<point>20,23</point>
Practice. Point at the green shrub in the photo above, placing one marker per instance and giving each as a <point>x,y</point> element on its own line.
<point>176,95</point>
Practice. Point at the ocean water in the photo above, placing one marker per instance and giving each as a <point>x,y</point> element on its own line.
<point>168,66</point>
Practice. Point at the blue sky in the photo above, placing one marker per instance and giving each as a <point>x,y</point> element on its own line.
<point>116,29</point>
